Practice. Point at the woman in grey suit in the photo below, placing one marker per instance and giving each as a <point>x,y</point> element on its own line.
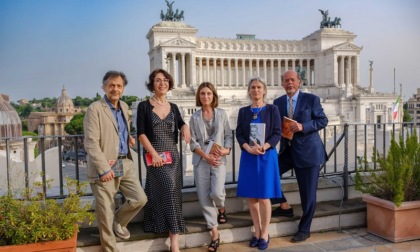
<point>209,127</point>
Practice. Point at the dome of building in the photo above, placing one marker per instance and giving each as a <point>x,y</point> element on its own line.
<point>10,123</point>
<point>64,103</point>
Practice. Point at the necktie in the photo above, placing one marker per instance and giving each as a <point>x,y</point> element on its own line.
<point>290,108</point>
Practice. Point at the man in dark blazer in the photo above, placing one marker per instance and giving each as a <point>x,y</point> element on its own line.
<point>305,152</point>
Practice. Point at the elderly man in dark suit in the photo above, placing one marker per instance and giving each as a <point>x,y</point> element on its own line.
<point>305,152</point>
<point>107,143</point>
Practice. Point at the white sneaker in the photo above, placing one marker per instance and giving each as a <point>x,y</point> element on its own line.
<point>121,232</point>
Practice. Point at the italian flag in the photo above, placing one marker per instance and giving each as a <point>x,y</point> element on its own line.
<point>396,106</point>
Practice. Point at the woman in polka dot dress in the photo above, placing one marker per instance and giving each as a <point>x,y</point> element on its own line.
<point>158,123</point>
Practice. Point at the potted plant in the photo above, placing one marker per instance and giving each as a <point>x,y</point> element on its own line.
<point>392,191</point>
<point>31,222</point>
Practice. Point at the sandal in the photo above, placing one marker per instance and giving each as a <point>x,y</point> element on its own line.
<point>214,245</point>
<point>221,218</point>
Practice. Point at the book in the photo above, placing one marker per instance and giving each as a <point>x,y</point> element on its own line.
<point>257,134</point>
<point>117,167</point>
<point>211,147</point>
<point>286,131</point>
<point>166,156</point>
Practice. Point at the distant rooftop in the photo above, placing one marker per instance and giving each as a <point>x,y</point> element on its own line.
<point>245,36</point>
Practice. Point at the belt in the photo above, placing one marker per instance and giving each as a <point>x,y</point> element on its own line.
<point>122,156</point>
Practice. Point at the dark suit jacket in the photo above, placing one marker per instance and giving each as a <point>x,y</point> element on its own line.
<point>270,116</point>
<point>306,146</point>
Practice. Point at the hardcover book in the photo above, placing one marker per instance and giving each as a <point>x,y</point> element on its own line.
<point>257,134</point>
<point>286,131</point>
<point>166,156</point>
<point>211,147</point>
<point>117,167</point>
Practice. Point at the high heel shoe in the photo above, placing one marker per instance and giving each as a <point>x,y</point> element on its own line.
<point>214,245</point>
<point>262,244</point>
<point>221,218</point>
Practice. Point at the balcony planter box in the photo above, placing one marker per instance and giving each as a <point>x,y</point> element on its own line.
<point>69,245</point>
<point>396,224</point>
<point>32,222</point>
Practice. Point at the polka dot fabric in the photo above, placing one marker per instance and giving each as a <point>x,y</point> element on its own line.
<point>163,211</point>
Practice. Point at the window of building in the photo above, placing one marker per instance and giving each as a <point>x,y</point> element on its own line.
<point>378,121</point>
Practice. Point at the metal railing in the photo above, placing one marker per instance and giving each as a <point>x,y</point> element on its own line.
<point>55,157</point>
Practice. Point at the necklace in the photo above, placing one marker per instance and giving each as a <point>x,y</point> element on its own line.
<point>158,102</point>
<point>256,114</point>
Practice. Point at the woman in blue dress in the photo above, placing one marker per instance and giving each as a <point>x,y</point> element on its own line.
<point>259,178</point>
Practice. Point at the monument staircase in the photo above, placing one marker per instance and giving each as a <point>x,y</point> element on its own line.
<point>332,213</point>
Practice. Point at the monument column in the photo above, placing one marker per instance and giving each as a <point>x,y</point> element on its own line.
<point>172,70</point>
<point>341,71</point>
<point>265,70</point>
<point>215,71</point>
<point>222,74</point>
<point>257,66</point>
<point>182,68</point>
<point>236,73</point>
<point>243,72</point>
<point>200,70</point>
<point>229,73</point>
<point>371,90</point>
<point>208,68</point>
<point>336,70</point>
<point>192,71</point>
<point>166,57</point>
<point>279,72</point>
<point>251,74</point>
<point>272,72</point>
<point>350,62</point>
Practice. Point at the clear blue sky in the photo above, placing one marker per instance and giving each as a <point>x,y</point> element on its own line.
<point>46,44</point>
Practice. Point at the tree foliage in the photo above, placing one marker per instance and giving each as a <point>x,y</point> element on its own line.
<point>29,133</point>
<point>82,102</point>
<point>406,116</point>
<point>129,99</point>
<point>75,126</point>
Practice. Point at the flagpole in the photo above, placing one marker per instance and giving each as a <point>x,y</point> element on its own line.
<point>394,80</point>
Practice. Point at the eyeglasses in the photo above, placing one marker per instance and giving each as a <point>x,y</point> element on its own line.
<point>161,80</point>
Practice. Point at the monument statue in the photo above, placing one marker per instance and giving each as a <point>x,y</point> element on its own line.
<point>370,63</point>
<point>170,14</point>
<point>336,22</point>
<point>302,74</point>
<point>324,14</point>
<point>326,21</point>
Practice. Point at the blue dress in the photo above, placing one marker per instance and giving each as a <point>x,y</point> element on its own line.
<point>259,174</point>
